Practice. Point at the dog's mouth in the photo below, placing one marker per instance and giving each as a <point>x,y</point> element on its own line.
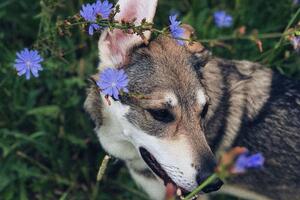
<point>159,171</point>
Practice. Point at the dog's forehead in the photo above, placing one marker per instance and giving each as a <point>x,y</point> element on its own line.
<point>165,67</point>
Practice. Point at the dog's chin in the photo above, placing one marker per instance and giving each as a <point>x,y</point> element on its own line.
<point>158,170</point>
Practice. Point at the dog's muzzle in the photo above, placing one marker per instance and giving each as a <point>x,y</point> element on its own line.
<point>158,170</point>
<point>155,166</point>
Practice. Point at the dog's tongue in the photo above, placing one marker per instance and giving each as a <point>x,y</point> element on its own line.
<point>170,191</point>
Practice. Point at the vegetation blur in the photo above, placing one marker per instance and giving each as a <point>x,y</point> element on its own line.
<point>48,149</point>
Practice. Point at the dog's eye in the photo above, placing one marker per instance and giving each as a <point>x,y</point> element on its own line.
<point>162,115</point>
<point>204,110</point>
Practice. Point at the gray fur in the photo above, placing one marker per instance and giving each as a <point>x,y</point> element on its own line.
<point>266,117</point>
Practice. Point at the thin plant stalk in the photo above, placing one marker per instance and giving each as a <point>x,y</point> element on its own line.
<point>209,180</point>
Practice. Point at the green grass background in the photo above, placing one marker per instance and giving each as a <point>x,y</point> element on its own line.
<point>47,146</point>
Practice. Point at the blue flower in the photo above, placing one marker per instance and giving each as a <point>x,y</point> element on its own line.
<point>296,2</point>
<point>88,13</point>
<point>296,43</point>
<point>93,27</point>
<point>176,30</point>
<point>28,61</point>
<point>112,81</point>
<point>103,8</point>
<point>222,19</point>
<point>246,161</point>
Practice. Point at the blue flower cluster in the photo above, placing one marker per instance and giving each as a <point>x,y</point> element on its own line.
<point>222,19</point>
<point>90,12</point>
<point>112,81</point>
<point>246,161</point>
<point>296,2</point>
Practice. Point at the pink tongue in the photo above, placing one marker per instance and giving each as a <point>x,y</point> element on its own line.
<point>170,191</point>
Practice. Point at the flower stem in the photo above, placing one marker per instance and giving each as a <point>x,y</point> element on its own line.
<point>287,27</point>
<point>200,187</point>
<point>279,43</point>
<point>103,167</point>
<point>246,37</point>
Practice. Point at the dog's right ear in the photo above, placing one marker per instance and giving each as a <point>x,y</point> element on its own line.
<point>114,46</point>
<point>196,48</point>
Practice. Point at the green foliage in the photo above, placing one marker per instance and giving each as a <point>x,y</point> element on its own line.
<point>47,146</point>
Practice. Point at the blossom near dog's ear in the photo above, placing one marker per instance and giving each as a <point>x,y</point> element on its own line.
<point>114,45</point>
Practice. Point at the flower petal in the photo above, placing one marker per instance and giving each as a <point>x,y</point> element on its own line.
<point>21,72</point>
<point>34,71</point>
<point>27,74</point>
<point>108,91</point>
<point>20,67</point>
<point>91,30</point>
<point>115,93</point>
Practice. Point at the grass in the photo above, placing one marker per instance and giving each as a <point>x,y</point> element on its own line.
<point>47,146</point>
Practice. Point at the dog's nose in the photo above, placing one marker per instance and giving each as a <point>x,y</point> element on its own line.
<point>216,185</point>
<point>204,172</point>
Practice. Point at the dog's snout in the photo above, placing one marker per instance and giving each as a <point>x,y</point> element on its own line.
<point>207,169</point>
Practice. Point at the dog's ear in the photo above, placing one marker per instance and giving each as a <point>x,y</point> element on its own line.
<point>114,45</point>
<point>194,47</point>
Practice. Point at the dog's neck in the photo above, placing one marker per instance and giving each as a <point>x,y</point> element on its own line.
<point>237,88</point>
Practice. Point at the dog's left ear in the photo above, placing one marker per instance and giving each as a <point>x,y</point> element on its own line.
<point>114,46</point>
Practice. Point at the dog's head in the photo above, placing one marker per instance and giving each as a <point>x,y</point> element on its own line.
<point>166,125</point>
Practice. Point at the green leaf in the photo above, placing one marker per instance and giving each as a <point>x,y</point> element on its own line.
<point>51,111</point>
<point>75,140</point>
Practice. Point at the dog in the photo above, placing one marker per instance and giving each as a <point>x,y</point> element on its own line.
<point>195,106</point>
